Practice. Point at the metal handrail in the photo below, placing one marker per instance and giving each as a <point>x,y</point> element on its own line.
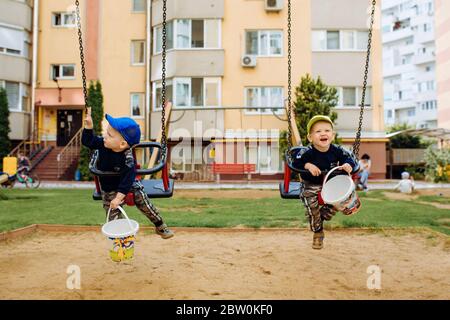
<point>70,152</point>
<point>27,146</point>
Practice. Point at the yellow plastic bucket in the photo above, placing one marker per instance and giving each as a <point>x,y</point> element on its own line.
<point>122,235</point>
<point>340,192</point>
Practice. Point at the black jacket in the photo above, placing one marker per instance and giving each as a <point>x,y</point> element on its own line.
<point>121,162</point>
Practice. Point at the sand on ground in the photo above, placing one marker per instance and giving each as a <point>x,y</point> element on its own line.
<point>220,264</point>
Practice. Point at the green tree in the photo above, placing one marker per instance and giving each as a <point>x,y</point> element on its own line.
<point>5,143</point>
<point>95,101</point>
<point>437,162</point>
<point>312,97</point>
<point>404,140</point>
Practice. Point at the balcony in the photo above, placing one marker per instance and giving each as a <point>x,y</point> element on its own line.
<point>408,49</point>
<point>190,63</point>
<point>399,104</point>
<point>16,13</point>
<point>397,35</point>
<point>14,68</point>
<point>397,70</point>
<point>424,58</point>
<point>424,37</point>
<point>21,127</point>
<point>188,9</point>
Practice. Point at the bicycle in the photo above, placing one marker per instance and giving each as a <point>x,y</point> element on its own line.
<point>30,180</point>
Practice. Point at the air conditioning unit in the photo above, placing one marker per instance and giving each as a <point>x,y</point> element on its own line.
<point>248,60</point>
<point>274,5</point>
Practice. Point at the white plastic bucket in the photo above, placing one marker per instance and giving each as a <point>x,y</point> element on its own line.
<point>340,192</point>
<point>122,233</point>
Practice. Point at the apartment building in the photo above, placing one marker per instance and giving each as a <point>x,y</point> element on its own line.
<point>226,74</point>
<point>443,62</point>
<point>409,60</point>
<point>339,33</point>
<point>16,24</point>
<point>114,39</point>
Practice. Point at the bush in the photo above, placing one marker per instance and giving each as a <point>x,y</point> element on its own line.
<point>437,161</point>
<point>95,101</point>
<point>5,143</point>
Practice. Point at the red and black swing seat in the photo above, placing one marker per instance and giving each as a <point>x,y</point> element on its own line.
<point>292,189</point>
<point>154,188</point>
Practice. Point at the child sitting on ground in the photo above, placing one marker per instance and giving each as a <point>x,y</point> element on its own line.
<point>406,185</point>
<point>115,155</point>
<point>321,155</point>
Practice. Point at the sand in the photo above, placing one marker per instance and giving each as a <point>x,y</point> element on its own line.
<point>224,264</point>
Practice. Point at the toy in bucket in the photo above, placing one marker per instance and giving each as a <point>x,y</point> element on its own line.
<point>122,233</point>
<point>340,192</point>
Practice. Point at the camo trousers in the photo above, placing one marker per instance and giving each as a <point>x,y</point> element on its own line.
<point>315,212</point>
<point>141,201</point>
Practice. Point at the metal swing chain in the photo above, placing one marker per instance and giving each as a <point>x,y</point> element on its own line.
<point>83,69</point>
<point>289,78</point>
<point>163,82</point>
<point>366,72</point>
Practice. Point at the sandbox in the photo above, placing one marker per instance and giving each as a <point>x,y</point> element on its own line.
<point>228,264</point>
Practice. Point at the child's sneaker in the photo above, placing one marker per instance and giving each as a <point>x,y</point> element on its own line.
<point>318,240</point>
<point>164,231</point>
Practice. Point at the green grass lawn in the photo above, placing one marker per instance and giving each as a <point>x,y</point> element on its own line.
<point>75,207</point>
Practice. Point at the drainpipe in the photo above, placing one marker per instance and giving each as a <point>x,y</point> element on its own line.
<point>148,71</point>
<point>34,62</point>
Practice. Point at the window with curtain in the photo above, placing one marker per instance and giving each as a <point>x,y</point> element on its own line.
<point>138,52</point>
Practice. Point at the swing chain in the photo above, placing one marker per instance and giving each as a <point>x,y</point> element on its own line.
<point>163,81</point>
<point>289,78</point>
<point>80,40</point>
<point>366,72</point>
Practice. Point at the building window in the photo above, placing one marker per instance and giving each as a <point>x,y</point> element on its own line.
<point>63,19</point>
<point>189,92</point>
<point>389,113</point>
<point>264,43</point>
<point>257,98</point>
<point>351,96</point>
<point>411,112</point>
<point>137,105</point>
<point>138,53</point>
<point>157,94</point>
<point>63,71</point>
<point>343,40</point>
<point>13,41</point>
<point>265,156</point>
<point>139,5</point>
<point>189,34</point>
<point>157,33</point>
<point>186,158</point>
<point>17,95</point>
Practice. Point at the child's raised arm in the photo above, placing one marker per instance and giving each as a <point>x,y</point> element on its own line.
<point>88,139</point>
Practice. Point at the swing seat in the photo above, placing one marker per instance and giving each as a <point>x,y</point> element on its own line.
<point>155,188</point>
<point>295,188</point>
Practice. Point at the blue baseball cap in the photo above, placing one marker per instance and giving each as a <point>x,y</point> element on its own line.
<point>127,127</point>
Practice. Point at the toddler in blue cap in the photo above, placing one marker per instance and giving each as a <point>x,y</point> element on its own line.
<point>115,155</point>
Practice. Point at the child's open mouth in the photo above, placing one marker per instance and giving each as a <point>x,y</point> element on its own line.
<point>323,139</point>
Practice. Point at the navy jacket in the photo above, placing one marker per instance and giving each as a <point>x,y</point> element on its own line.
<point>111,161</point>
<point>335,156</point>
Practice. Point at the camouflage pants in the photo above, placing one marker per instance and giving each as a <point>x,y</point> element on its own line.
<point>315,212</point>
<point>141,201</point>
